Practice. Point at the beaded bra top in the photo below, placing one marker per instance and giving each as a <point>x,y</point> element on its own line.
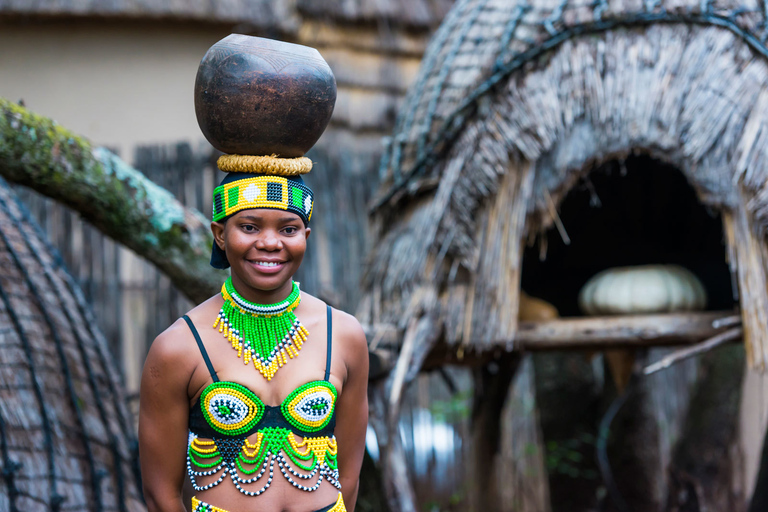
<point>227,414</point>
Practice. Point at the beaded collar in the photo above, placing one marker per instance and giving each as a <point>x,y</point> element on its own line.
<point>269,335</point>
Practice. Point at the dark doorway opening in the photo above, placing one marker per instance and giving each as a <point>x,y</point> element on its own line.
<point>639,211</point>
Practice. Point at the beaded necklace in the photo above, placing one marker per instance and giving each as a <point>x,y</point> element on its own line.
<point>267,334</point>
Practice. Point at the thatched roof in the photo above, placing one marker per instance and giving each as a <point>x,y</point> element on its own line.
<point>279,15</point>
<point>259,13</point>
<point>415,13</point>
<point>514,100</point>
<point>66,439</point>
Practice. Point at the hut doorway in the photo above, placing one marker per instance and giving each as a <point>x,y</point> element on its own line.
<point>631,212</point>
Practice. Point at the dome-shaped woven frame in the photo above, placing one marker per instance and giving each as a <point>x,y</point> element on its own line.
<point>66,440</point>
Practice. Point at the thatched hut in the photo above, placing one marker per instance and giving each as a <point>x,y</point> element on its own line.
<point>519,104</point>
<point>66,439</point>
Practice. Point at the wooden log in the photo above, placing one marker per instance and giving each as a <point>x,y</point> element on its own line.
<point>398,484</point>
<point>748,257</point>
<point>588,333</point>
<point>592,333</point>
<point>496,289</point>
<point>618,331</point>
<point>490,394</point>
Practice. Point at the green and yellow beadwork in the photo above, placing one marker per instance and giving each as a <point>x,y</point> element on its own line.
<point>262,192</point>
<point>201,506</point>
<point>268,335</point>
<point>230,408</point>
<point>254,439</point>
<point>310,406</point>
<point>246,462</point>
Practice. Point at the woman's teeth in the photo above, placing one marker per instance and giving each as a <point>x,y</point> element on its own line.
<point>267,263</point>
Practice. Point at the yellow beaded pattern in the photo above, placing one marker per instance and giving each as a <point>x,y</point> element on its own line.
<point>201,506</point>
<point>307,454</point>
<point>262,192</point>
<point>317,446</point>
<point>339,506</point>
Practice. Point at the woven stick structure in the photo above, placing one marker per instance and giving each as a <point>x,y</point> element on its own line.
<point>66,438</point>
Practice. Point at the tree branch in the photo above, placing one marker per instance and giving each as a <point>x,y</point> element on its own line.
<point>111,195</point>
<point>700,348</point>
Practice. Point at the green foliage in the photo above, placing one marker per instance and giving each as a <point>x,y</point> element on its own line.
<point>456,408</point>
<point>454,502</point>
<point>568,457</point>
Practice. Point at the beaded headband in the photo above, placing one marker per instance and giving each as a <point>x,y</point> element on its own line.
<point>275,192</point>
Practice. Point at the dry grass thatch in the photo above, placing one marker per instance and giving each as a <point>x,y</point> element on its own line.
<point>263,14</point>
<point>65,434</point>
<point>515,99</point>
<point>413,13</point>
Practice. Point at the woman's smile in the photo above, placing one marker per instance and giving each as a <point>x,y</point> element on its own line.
<point>267,266</point>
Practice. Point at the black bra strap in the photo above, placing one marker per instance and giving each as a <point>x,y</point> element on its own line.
<point>328,357</point>
<point>201,347</point>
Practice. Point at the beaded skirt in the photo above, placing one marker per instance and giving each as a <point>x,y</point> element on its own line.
<point>201,506</point>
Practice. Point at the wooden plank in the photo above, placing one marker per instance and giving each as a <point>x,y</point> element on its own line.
<point>618,331</point>
<point>599,332</point>
<point>588,333</point>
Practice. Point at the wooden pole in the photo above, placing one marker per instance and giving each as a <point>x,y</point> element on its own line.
<point>748,257</point>
<point>491,387</point>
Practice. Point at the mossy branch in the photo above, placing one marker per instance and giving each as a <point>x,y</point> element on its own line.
<point>111,195</point>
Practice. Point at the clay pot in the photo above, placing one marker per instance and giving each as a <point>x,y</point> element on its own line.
<point>256,96</point>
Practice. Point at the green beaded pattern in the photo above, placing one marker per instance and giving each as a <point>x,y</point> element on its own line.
<point>310,407</point>
<point>274,440</point>
<point>267,334</point>
<point>202,460</point>
<point>235,457</point>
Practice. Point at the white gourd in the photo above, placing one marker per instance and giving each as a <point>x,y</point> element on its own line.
<point>642,289</point>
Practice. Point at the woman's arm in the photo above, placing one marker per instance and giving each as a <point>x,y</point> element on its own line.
<point>163,420</point>
<point>352,407</point>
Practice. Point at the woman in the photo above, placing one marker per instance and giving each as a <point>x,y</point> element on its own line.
<point>258,395</point>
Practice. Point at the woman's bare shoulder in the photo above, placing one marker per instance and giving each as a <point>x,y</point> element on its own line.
<point>348,326</point>
<point>172,346</point>
<point>347,331</point>
<point>350,338</point>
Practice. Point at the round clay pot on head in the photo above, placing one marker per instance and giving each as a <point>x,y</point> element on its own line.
<point>256,96</point>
